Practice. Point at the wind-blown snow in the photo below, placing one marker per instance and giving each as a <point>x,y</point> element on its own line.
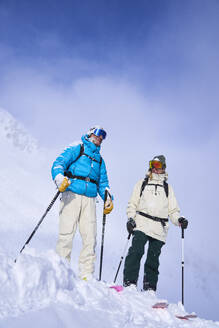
<point>41,289</point>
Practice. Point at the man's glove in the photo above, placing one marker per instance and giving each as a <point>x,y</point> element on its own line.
<point>108,206</point>
<point>183,222</point>
<point>130,225</point>
<point>62,182</point>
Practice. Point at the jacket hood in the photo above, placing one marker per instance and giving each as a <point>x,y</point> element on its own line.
<point>157,177</point>
<point>85,139</point>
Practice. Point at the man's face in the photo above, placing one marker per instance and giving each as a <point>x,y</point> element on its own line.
<point>157,171</point>
<point>97,140</point>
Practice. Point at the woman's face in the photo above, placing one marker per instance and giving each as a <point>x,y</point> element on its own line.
<point>157,171</point>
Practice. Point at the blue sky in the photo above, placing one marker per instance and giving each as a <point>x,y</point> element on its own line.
<point>147,71</point>
<point>166,51</point>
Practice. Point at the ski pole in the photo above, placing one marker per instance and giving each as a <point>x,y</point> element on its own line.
<point>38,224</point>
<point>103,232</point>
<point>182,230</point>
<point>122,257</point>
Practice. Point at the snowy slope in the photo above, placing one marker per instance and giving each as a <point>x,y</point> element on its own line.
<point>41,289</point>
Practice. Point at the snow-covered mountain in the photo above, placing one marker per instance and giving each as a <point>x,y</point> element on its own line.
<point>24,175</point>
<point>40,288</point>
<point>12,131</point>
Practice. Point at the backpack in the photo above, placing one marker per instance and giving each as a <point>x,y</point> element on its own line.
<point>145,182</point>
<point>83,153</point>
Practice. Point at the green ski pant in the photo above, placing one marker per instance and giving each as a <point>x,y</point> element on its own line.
<point>133,259</point>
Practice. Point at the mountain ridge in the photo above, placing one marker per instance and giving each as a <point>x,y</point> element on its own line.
<point>14,132</point>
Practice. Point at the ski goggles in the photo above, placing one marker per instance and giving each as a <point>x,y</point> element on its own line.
<point>100,132</point>
<point>155,164</point>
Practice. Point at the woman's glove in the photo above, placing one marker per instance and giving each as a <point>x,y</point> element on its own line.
<point>130,225</point>
<point>183,222</point>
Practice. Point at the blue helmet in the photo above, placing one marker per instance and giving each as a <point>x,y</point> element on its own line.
<point>97,131</point>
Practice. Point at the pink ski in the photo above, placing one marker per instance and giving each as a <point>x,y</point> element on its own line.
<point>187,316</point>
<point>118,288</point>
<point>160,305</point>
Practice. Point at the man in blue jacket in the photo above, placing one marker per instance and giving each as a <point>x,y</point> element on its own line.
<point>86,177</point>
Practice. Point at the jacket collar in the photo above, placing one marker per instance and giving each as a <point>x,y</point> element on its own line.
<point>159,178</point>
<point>86,141</point>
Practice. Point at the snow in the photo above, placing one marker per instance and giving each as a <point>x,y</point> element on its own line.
<point>42,286</point>
<point>16,133</point>
<point>41,289</point>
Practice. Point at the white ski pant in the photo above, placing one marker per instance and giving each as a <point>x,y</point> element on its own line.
<point>78,210</point>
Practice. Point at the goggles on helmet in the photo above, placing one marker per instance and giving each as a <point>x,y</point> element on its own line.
<point>155,164</point>
<point>99,132</point>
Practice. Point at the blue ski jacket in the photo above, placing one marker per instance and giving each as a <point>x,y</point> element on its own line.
<point>89,165</point>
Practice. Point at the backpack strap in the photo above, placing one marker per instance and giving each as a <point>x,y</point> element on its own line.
<point>80,154</point>
<point>145,182</point>
<point>83,153</point>
<point>155,218</point>
<point>166,188</point>
<point>93,159</point>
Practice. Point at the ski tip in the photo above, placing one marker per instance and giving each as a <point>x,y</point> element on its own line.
<point>182,317</point>
<point>186,317</point>
<point>191,316</point>
<point>160,305</point>
<point>118,288</point>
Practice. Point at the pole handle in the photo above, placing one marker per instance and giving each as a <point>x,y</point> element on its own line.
<point>182,230</point>
<point>105,196</point>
